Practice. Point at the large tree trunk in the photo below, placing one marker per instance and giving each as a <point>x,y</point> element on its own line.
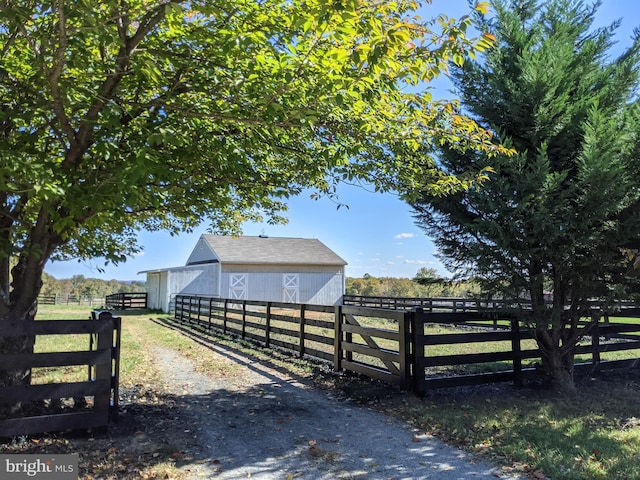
<point>19,305</point>
<point>556,342</point>
<point>14,377</point>
<point>557,365</point>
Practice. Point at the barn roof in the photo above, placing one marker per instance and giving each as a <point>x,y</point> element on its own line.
<point>271,250</point>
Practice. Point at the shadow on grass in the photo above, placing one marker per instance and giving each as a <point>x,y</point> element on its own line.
<point>270,358</point>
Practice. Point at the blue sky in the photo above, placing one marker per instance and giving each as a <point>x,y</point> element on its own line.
<point>375,235</point>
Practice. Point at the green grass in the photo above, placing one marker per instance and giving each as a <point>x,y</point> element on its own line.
<point>594,434</point>
<point>61,343</point>
<point>63,312</point>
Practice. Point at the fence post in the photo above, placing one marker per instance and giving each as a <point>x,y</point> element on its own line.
<point>516,351</point>
<point>267,332</point>
<point>302,328</point>
<point>115,365</point>
<point>210,314</point>
<point>224,316</point>
<point>595,348</point>
<point>404,347</point>
<point>244,319</point>
<point>417,328</point>
<point>337,344</point>
<point>102,401</point>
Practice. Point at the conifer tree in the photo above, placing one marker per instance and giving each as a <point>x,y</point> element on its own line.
<point>561,218</point>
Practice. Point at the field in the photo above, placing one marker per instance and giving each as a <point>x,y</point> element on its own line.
<point>594,434</point>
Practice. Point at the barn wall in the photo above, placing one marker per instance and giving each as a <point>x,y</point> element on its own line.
<point>194,280</point>
<point>164,291</point>
<point>157,292</point>
<point>317,285</point>
<point>164,285</point>
<point>153,291</point>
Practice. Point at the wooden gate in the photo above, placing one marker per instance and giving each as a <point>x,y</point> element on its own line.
<point>97,396</point>
<point>380,349</point>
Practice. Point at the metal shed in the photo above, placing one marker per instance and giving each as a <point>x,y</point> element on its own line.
<point>292,270</point>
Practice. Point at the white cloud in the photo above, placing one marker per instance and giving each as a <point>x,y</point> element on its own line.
<point>418,262</point>
<point>401,236</point>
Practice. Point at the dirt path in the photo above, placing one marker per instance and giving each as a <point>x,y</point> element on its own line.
<point>265,425</point>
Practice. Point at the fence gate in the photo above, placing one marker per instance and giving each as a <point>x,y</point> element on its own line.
<point>378,352</point>
<point>94,400</point>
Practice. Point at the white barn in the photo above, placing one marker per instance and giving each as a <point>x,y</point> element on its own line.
<point>292,270</point>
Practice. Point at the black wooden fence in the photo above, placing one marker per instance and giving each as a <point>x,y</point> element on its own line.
<point>126,301</point>
<point>510,346</point>
<point>427,304</point>
<point>463,305</point>
<point>90,403</point>
<point>310,331</point>
<point>404,347</point>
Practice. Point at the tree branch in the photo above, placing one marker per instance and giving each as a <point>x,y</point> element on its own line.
<point>109,86</point>
<point>55,73</point>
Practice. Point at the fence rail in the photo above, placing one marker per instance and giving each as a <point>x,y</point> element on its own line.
<point>95,399</point>
<point>517,345</point>
<point>65,299</point>
<point>126,301</point>
<point>466,305</point>
<point>408,348</point>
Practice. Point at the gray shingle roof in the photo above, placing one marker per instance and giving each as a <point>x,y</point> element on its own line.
<point>276,250</point>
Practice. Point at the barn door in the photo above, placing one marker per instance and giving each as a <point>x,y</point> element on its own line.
<point>290,287</point>
<point>238,286</point>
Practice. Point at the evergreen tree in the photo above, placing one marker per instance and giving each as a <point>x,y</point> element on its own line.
<point>558,219</point>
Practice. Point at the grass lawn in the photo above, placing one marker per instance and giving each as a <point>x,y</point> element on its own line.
<point>594,434</point>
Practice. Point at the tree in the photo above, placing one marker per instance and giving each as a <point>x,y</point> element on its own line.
<point>121,116</point>
<point>405,287</point>
<point>555,219</point>
<point>427,276</point>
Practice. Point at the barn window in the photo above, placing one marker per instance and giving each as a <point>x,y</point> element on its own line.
<point>290,287</point>
<point>238,286</point>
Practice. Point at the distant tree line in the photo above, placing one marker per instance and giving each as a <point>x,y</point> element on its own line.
<point>427,283</point>
<point>80,286</point>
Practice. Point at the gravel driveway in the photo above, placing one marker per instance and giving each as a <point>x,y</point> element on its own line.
<point>265,425</point>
